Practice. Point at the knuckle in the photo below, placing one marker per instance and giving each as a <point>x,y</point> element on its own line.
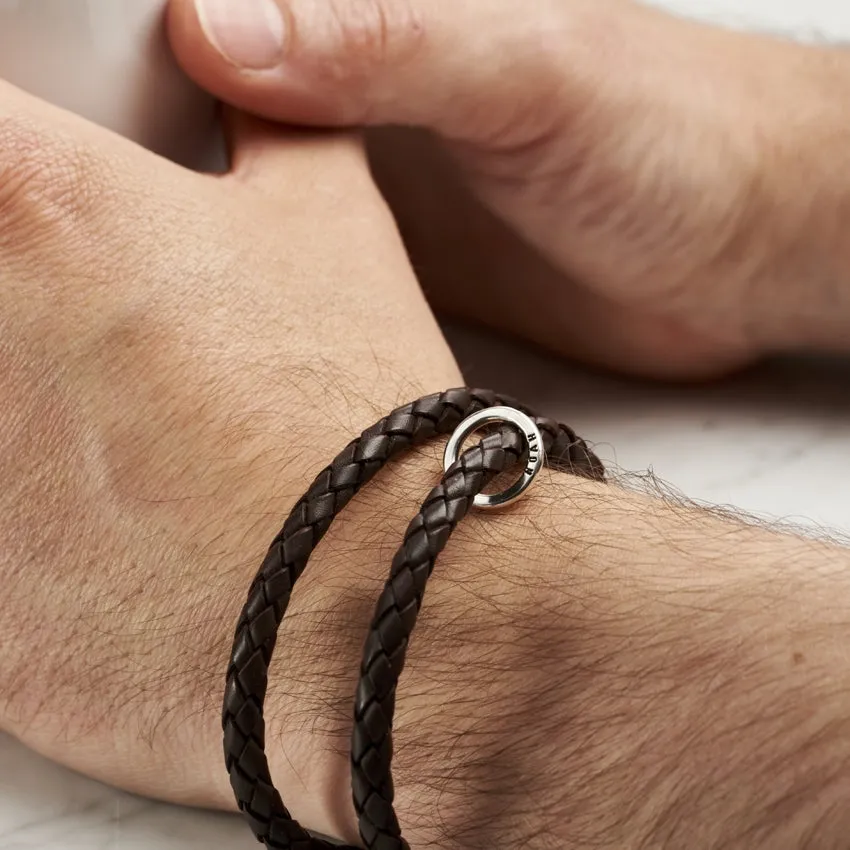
<point>372,34</point>
<point>48,181</point>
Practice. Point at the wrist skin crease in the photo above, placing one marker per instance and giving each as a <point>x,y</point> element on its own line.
<point>594,667</point>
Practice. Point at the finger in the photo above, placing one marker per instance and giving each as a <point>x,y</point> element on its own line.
<point>289,164</point>
<point>474,70</point>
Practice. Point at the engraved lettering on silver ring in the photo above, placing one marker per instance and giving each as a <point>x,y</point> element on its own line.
<point>534,444</point>
<point>533,452</point>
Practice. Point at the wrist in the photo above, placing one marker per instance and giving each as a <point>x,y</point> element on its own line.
<point>583,664</point>
<point>800,296</point>
<point>473,604</point>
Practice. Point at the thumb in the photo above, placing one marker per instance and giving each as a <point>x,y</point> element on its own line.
<point>476,71</point>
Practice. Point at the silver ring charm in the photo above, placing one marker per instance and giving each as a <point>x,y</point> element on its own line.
<point>533,441</point>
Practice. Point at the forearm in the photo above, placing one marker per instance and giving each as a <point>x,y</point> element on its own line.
<point>597,668</point>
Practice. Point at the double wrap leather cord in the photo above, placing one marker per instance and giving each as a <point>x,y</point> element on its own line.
<point>256,631</point>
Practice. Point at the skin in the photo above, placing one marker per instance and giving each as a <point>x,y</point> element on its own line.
<point>179,355</point>
<point>610,182</point>
<point>172,374</point>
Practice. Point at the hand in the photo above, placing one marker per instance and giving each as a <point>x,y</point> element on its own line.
<point>673,190</point>
<point>179,355</point>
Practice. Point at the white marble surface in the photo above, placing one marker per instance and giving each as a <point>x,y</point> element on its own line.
<point>775,443</point>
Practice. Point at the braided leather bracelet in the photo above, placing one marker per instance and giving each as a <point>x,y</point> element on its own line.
<point>268,597</point>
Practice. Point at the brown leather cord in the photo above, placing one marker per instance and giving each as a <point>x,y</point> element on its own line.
<point>268,597</point>
<point>393,623</point>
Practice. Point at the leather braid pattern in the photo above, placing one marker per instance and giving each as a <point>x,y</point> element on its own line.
<point>256,631</point>
<point>393,623</point>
